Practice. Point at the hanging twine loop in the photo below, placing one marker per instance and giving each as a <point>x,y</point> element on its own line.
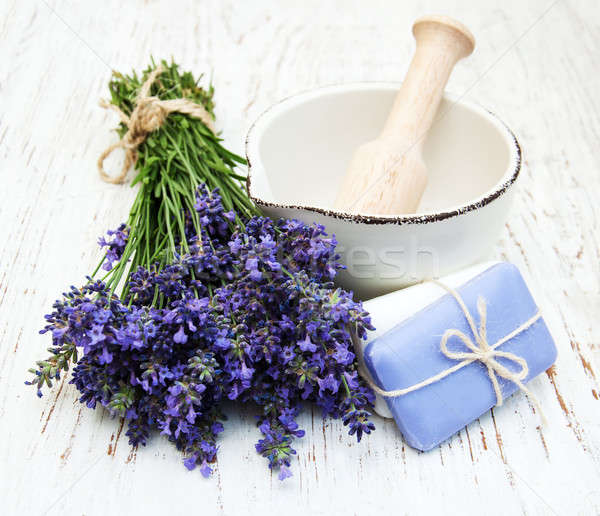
<point>477,351</point>
<point>148,115</point>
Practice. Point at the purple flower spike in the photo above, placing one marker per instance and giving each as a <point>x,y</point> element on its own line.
<point>243,311</point>
<point>180,337</point>
<point>190,463</point>
<point>284,472</point>
<point>307,345</point>
<point>205,469</point>
<point>328,383</point>
<point>251,264</point>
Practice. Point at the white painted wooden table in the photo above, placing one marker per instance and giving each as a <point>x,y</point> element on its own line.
<point>537,65</point>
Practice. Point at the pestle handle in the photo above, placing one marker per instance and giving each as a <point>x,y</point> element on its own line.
<point>387,175</point>
<point>441,43</point>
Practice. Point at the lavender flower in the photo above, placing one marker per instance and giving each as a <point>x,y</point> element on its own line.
<point>115,246</point>
<point>247,312</point>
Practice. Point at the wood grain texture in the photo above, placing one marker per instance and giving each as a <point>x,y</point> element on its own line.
<point>387,175</point>
<point>536,65</point>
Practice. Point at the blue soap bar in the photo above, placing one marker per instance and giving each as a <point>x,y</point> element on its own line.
<point>410,353</point>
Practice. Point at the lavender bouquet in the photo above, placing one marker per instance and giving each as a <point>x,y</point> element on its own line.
<point>204,301</point>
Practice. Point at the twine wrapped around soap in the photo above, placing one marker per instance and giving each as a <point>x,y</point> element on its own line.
<point>480,351</point>
<point>149,114</point>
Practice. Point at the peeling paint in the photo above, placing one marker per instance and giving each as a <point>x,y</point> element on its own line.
<point>53,406</point>
<point>587,367</point>
<point>470,447</point>
<point>569,414</point>
<point>539,429</point>
<point>483,441</point>
<point>132,455</point>
<point>498,438</point>
<point>67,453</point>
<point>112,446</point>
<point>18,341</point>
<point>551,372</point>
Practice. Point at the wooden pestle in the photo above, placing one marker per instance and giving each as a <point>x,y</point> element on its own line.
<point>387,175</point>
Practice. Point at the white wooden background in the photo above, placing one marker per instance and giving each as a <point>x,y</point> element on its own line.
<point>537,65</point>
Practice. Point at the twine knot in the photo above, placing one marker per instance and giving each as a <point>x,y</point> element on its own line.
<point>481,351</point>
<point>478,351</point>
<point>148,115</point>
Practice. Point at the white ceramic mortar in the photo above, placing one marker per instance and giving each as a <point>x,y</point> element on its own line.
<point>298,152</point>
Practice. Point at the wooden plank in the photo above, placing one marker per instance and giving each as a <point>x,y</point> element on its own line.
<point>540,75</point>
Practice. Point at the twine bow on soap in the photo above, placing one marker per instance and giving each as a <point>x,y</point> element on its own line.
<point>481,351</point>
<point>478,351</point>
<point>149,114</point>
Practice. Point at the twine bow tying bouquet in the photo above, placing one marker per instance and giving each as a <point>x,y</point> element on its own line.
<point>199,299</point>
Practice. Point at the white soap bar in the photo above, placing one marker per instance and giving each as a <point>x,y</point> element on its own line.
<point>391,309</point>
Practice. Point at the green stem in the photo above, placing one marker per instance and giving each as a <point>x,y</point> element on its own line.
<point>172,163</point>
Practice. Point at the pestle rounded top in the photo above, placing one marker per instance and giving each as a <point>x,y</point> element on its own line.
<point>439,22</point>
